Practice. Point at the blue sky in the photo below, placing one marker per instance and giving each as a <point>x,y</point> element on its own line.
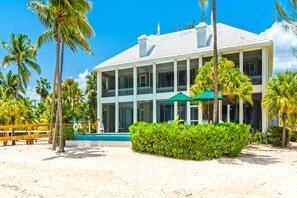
<point>118,23</point>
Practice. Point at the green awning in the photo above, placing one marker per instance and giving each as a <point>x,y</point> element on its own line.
<point>208,95</point>
<point>179,97</point>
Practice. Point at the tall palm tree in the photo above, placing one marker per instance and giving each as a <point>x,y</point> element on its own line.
<point>8,84</point>
<point>67,23</point>
<point>42,88</point>
<point>231,81</point>
<point>21,53</point>
<point>204,4</point>
<point>281,97</point>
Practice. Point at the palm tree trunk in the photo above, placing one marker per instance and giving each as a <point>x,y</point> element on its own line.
<point>56,132</point>
<point>61,146</point>
<point>50,138</point>
<point>58,45</point>
<point>12,133</point>
<point>18,84</point>
<point>284,129</point>
<point>215,53</point>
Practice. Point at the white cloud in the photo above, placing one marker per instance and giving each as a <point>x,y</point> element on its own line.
<point>283,40</point>
<point>81,80</point>
<point>30,92</point>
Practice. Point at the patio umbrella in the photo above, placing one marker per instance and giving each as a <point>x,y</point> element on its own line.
<point>179,97</point>
<point>207,96</point>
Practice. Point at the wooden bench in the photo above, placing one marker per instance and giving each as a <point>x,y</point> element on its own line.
<point>29,138</point>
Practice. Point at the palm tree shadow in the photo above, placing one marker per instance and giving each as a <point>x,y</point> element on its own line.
<point>258,159</point>
<point>250,158</point>
<point>79,153</point>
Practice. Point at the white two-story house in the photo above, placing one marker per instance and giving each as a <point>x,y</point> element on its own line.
<point>134,85</point>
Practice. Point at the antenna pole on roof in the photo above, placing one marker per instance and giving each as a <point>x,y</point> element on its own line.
<point>158,29</point>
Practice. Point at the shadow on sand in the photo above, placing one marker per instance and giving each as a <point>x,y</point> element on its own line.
<point>79,153</point>
<point>250,159</point>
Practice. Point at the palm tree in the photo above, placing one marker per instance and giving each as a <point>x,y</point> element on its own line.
<point>66,22</point>
<point>72,96</point>
<point>231,81</point>
<point>287,19</point>
<point>204,4</point>
<point>8,84</point>
<point>281,97</point>
<point>21,53</point>
<point>42,88</point>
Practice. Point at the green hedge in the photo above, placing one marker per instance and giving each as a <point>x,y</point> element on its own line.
<point>200,142</point>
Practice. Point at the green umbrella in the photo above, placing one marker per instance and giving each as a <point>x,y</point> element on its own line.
<point>207,96</point>
<point>179,97</point>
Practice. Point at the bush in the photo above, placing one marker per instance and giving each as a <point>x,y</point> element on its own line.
<point>293,137</point>
<point>274,136</point>
<point>256,137</point>
<point>200,142</point>
<point>68,133</point>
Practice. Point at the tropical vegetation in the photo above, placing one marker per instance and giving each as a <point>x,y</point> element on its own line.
<point>281,98</point>
<point>232,81</point>
<point>22,54</point>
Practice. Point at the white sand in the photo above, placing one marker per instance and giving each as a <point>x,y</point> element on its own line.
<point>36,171</point>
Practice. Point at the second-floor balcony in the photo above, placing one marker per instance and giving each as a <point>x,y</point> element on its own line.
<point>144,90</point>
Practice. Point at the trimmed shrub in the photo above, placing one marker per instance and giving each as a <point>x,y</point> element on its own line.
<point>200,142</point>
<point>274,136</point>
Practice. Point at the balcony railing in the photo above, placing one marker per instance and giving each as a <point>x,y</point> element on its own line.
<point>256,80</point>
<point>126,92</point>
<point>108,93</point>
<point>182,88</point>
<point>165,89</point>
<point>144,90</point>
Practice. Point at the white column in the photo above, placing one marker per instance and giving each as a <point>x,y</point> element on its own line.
<point>188,90</point>
<point>200,114</point>
<point>117,100</point>
<point>264,85</point>
<point>200,61</point>
<point>154,93</point>
<point>241,61</point>
<point>175,87</point>
<point>134,94</point>
<point>240,101</point>
<point>228,113</point>
<point>240,112</point>
<point>220,109</point>
<point>99,95</point>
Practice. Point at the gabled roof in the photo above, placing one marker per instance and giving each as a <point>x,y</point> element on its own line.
<point>184,42</point>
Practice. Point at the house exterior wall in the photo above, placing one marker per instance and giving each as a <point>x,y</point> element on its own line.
<point>172,63</point>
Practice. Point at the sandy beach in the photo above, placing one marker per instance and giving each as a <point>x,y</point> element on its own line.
<point>36,171</point>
